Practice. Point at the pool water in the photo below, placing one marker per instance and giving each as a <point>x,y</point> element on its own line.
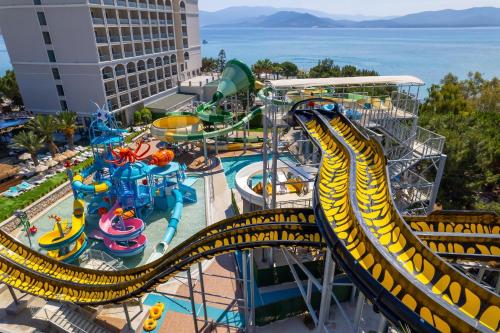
<point>232,165</point>
<point>193,220</point>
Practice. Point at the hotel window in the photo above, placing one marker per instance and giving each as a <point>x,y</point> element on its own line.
<point>60,90</point>
<point>64,105</point>
<point>55,73</point>
<point>52,56</point>
<point>46,37</point>
<point>41,18</point>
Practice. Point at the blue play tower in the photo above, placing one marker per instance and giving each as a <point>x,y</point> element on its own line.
<point>127,187</point>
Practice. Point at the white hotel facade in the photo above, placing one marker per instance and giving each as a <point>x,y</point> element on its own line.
<point>126,53</point>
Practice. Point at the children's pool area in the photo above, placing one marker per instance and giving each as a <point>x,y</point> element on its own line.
<point>193,220</point>
<point>232,165</point>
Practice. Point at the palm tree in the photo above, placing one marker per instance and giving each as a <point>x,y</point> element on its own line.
<point>267,66</point>
<point>45,127</point>
<point>30,141</point>
<point>257,69</point>
<point>277,70</point>
<point>263,66</point>
<point>67,123</point>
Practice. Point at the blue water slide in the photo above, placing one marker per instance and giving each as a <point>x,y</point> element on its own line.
<point>105,128</point>
<point>188,194</point>
<point>79,186</point>
<point>175,218</point>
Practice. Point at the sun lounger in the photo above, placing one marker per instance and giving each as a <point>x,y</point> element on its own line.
<point>25,186</point>
<point>12,192</point>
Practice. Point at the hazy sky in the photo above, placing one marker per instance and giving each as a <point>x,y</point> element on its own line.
<point>355,7</point>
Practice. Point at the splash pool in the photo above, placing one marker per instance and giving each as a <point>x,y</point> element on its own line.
<point>232,165</point>
<point>193,220</point>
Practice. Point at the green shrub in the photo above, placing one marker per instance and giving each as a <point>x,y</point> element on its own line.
<point>146,116</point>
<point>137,117</point>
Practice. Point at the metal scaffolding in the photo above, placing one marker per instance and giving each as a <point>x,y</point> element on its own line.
<point>383,107</point>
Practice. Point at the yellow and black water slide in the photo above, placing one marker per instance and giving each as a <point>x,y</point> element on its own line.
<point>460,235</point>
<point>36,274</point>
<point>396,264</point>
<point>383,256</point>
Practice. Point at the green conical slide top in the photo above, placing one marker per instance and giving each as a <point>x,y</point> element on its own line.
<point>236,77</point>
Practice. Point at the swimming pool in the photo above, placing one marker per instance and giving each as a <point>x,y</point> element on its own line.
<point>193,220</point>
<point>232,165</point>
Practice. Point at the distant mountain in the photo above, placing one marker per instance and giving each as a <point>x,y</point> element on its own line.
<point>238,14</point>
<point>473,17</point>
<point>291,20</point>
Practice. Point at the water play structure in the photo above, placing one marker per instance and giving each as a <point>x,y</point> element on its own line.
<point>402,265</point>
<point>123,187</point>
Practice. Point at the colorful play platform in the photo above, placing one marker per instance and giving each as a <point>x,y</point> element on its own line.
<point>409,268</point>
<point>125,187</point>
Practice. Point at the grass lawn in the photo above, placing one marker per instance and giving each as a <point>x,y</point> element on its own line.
<point>10,205</point>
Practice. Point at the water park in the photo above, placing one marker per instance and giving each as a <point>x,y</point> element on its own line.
<point>322,217</point>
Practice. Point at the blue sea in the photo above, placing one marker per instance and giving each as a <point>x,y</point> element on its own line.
<point>426,53</point>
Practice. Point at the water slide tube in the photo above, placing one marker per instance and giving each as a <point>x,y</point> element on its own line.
<point>96,188</point>
<point>175,218</point>
<point>353,207</point>
<point>186,126</point>
<point>123,243</point>
<point>59,247</point>
<point>21,266</point>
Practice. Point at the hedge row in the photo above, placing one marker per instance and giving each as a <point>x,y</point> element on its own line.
<point>11,205</point>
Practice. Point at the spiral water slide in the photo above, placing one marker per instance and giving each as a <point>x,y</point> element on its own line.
<point>186,126</point>
<point>354,209</point>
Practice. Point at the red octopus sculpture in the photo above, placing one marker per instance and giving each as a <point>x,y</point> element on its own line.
<point>126,155</point>
<point>162,157</point>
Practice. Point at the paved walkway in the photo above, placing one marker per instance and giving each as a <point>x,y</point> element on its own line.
<point>223,289</point>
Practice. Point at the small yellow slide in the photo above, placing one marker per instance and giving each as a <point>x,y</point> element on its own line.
<point>58,241</point>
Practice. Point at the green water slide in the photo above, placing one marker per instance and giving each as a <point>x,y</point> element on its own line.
<point>201,135</point>
<point>236,77</point>
<point>187,127</point>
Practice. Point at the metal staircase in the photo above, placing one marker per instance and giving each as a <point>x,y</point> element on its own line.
<point>67,318</point>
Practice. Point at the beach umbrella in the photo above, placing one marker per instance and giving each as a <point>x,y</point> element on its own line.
<point>60,158</point>
<point>24,157</point>
<point>41,168</point>
<point>51,163</point>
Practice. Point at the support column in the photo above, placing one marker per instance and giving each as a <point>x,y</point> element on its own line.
<point>437,183</point>
<point>141,305</point>
<point>191,296</point>
<point>205,153</point>
<point>274,164</point>
<point>326,291</point>
<point>480,274</point>
<point>359,311</point>
<point>244,262</point>
<point>127,316</point>
<point>13,294</point>
<point>265,161</point>
<point>202,287</point>
<point>382,326</point>
<point>252,289</point>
